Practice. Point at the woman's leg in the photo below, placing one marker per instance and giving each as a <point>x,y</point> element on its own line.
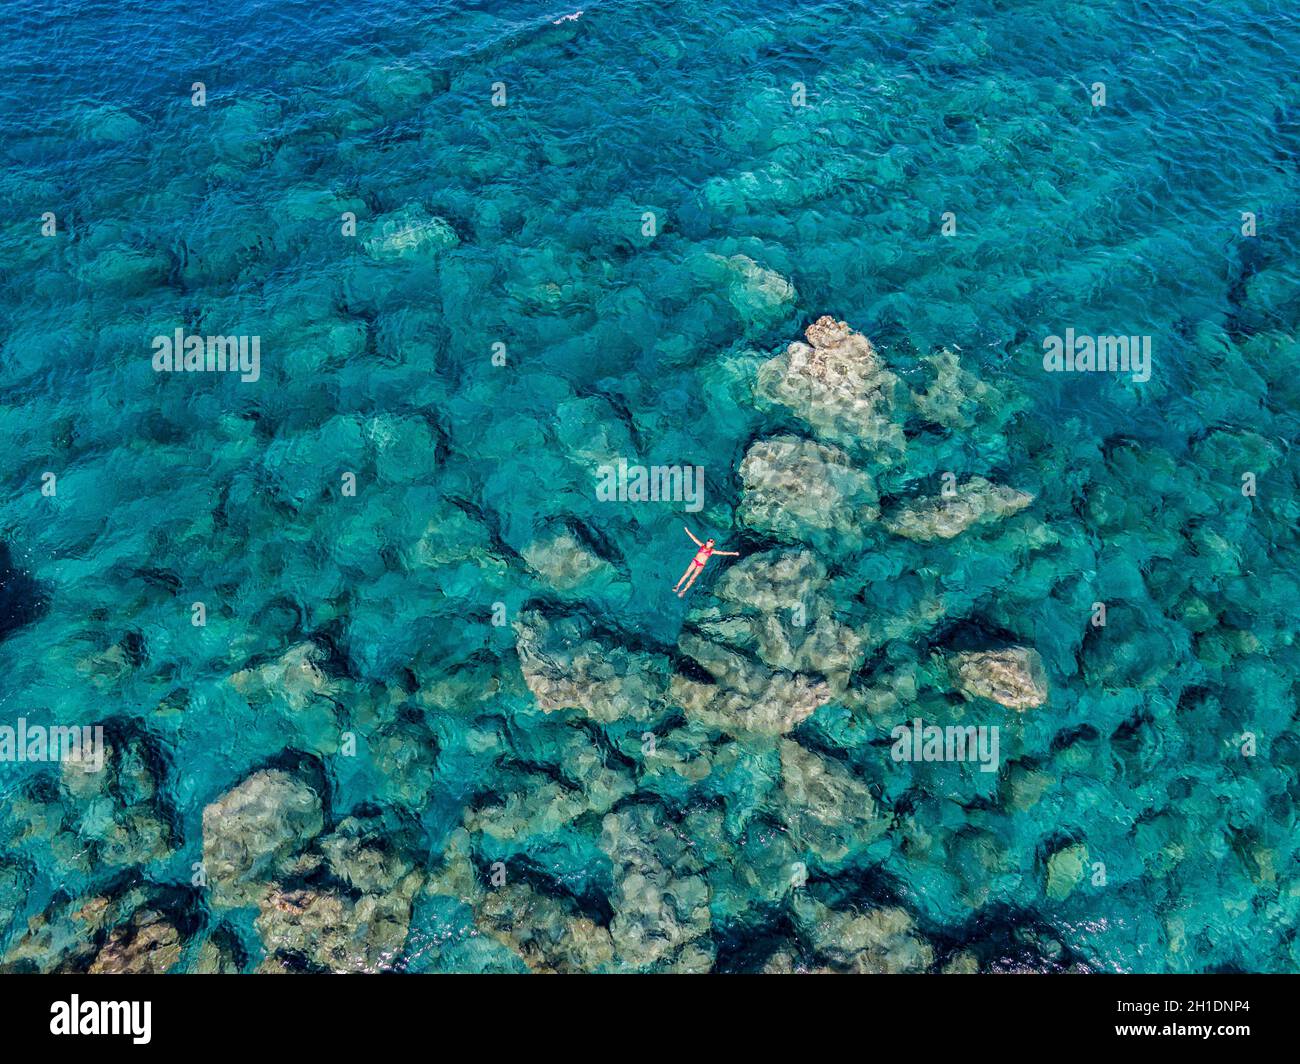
<point>689,568</point>
<point>698,569</point>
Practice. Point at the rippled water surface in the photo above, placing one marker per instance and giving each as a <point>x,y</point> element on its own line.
<point>456,719</point>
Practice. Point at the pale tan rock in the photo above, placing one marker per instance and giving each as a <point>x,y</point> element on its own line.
<point>253,832</point>
<point>945,516</point>
<point>879,941</point>
<point>565,668</point>
<point>564,561</point>
<point>794,487</point>
<point>544,931</point>
<point>661,896</point>
<point>963,963</point>
<point>957,399</point>
<point>839,385</point>
<point>146,945</point>
<point>1013,676</point>
<point>746,698</point>
<point>773,605</point>
<point>296,677</point>
<point>1065,869</point>
<point>759,296</point>
<point>828,809</point>
<point>410,231</point>
<point>335,931</point>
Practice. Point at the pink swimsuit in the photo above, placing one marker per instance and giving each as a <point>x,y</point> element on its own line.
<point>702,555</point>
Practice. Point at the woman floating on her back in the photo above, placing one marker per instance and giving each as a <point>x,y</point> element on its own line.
<point>697,563</point>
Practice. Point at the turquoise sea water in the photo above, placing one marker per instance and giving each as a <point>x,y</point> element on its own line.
<point>457,720</point>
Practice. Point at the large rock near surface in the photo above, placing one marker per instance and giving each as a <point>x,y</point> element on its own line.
<point>771,644</point>
<point>838,385</point>
<point>796,489</point>
<point>546,932</point>
<point>334,930</point>
<point>530,803</point>
<point>745,698</point>
<point>760,296</point>
<point>773,605</point>
<point>148,944</point>
<point>251,833</point>
<point>565,667</point>
<point>358,920</point>
<point>564,561</point>
<point>945,516</point>
<point>957,399</point>
<point>366,853</point>
<point>116,816</point>
<point>876,942</point>
<point>1013,676</point>
<point>661,896</point>
<point>827,808</point>
<point>1065,870</point>
<point>296,678</point>
<point>134,930</point>
<point>408,232</point>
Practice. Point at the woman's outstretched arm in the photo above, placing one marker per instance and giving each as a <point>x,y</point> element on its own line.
<point>692,535</point>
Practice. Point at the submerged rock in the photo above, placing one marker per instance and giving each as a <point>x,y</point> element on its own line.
<point>585,779</point>
<point>745,698</point>
<point>296,677</point>
<point>106,122</point>
<point>838,384</point>
<point>796,489</point>
<point>661,898</point>
<point>540,806</point>
<point>957,399</point>
<point>219,953</point>
<point>1065,869</point>
<point>945,516</point>
<point>345,904</point>
<point>760,296</point>
<point>127,930</point>
<point>784,962</point>
<point>544,929</point>
<point>363,852</point>
<point>405,751</point>
<point>565,668</point>
<point>337,932</point>
<point>772,604</point>
<point>546,932</point>
<point>963,962</point>
<point>125,271</point>
<point>251,833</point>
<point>770,646</point>
<point>113,815</point>
<point>1013,677</point>
<point>147,944</point>
<point>829,810</point>
<point>138,828</point>
<point>564,561</point>
<point>15,881</point>
<point>771,581</point>
<point>878,942</point>
<point>408,232</point>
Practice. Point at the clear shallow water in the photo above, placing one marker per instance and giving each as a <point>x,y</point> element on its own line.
<point>331,616</point>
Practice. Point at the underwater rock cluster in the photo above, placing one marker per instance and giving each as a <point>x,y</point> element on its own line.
<point>720,715</point>
<point>587,797</point>
<point>1013,676</point>
<point>755,660</point>
<point>386,684</point>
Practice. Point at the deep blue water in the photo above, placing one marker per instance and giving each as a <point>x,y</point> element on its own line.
<point>670,195</point>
